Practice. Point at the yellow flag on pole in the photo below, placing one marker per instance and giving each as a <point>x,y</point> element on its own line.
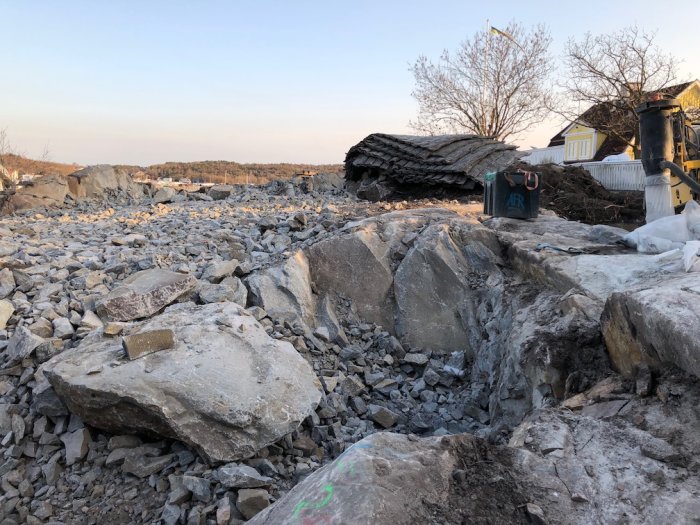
<point>498,32</point>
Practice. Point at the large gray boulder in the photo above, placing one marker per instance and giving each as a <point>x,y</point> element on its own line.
<point>99,182</point>
<point>225,388</point>
<point>49,191</point>
<point>164,195</point>
<point>357,265</point>
<point>655,325</point>
<point>220,191</point>
<point>436,285</point>
<point>284,291</point>
<point>144,294</point>
<point>359,262</point>
<point>393,479</point>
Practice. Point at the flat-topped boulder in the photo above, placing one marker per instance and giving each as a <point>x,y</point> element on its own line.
<point>144,294</point>
<point>225,387</point>
<point>655,325</point>
<point>564,255</point>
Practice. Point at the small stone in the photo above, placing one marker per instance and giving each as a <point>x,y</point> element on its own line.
<point>383,416</point>
<point>18,428</point>
<point>199,487</point>
<point>644,384</point>
<point>264,466</point>
<point>659,450</point>
<point>170,514</point>
<point>21,345</point>
<point>91,321</point>
<point>125,441</point>
<point>52,471</point>
<point>536,514</point>
<point>144,343</point>
<point>241,476</point>
<point>358,405</point>
<point>252,501</point>
<point>62,328</point>
<point>220,191</point>
<point>142,467</point>
<point>216,272</point>
<point>42,327</point>
<point>323,334</point>
<point>43,511</point>
<point>7,282</point>
<point>178,492</point>
<point>114,328</point>
<point>352,385</point>
<point>6,311</point>
<point>330,383</point>
<point>26,489</point>
<point>431,377</point>
<point>305,444</point>
<point>48,403</point>
<point>223,512</point>
<point>350,353</point>
<point>144,293</point>
<point>76,444</point>
<point>415,359</point>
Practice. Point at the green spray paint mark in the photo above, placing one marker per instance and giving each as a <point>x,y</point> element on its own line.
<point>304,504</point>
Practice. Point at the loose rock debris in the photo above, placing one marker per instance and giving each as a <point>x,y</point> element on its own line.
<point>507,343</point>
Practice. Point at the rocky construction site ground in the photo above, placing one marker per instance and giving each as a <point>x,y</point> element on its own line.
<point>329,360</point>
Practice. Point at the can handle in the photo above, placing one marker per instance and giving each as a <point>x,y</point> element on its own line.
<point>530,176</point>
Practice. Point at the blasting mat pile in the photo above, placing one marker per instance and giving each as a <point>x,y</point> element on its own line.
<point>448,160</point>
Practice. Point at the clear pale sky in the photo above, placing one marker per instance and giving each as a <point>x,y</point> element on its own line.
<point>256,81</point>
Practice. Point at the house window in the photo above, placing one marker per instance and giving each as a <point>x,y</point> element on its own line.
<point>584,149</point>
<point>578,149</point>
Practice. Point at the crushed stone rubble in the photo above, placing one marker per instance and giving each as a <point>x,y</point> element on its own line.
<point>110,414</point>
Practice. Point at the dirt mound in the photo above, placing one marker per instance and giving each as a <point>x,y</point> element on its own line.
<point>571,192</point>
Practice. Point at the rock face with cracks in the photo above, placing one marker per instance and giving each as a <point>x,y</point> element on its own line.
<point>225,388</point>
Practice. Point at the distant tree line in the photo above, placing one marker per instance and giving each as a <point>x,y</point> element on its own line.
<point>22,165</point>
<point>221,171</point>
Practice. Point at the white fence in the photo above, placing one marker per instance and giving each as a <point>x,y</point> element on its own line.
<point>622,176</point>
<point>554,155</point>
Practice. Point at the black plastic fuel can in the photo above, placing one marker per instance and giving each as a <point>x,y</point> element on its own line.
<point>512,194</point>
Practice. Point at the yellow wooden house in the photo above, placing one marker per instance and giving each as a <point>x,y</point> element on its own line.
<point>584,143</point>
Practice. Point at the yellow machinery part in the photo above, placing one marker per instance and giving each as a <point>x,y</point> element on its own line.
<point>680,193</point>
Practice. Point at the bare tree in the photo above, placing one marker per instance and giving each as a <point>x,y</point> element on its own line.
<point>5,146</point>
<point>495,84</point>
<point>613,74</point>
<point>5,149</point>
<point>45,153</point>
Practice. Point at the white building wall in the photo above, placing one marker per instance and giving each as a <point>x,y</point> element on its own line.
<point>553,155</point>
